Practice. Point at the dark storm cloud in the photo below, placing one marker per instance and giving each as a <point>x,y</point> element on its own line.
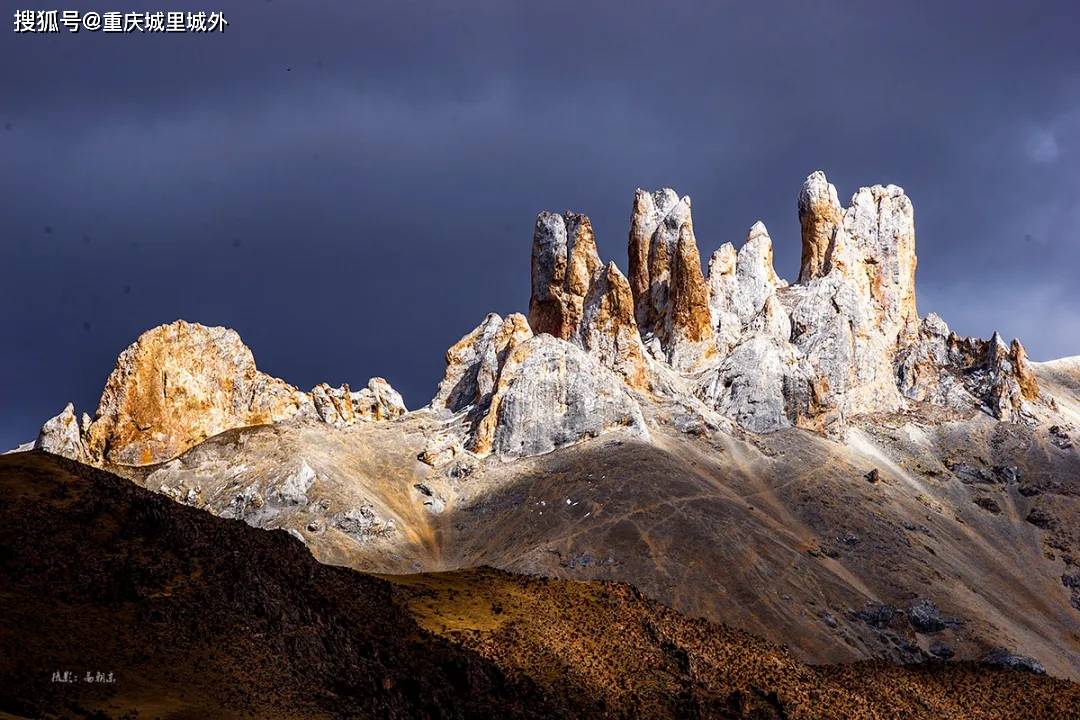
<point>352,185</point>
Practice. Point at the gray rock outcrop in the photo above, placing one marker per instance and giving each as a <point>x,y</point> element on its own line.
<point>61,435</point>
<point>549,394</point>
<point>525,395</point>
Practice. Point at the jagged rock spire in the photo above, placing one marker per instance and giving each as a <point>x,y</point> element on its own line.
<point>564,260</point>
<point>881,226</point>
<point>875,236</point>
<point>688,338</point>
<point>845,341</point>
<point>820,215</point>
<point>575,298</point>
<point>671,298</point>
<point>655,225</point>
<point>740,284</point>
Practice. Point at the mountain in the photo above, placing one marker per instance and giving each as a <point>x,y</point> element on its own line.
<point>122,603</point>
<point>811,462</point>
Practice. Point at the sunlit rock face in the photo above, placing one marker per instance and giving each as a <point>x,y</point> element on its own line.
<point>671,297</point>
<point>525,395</point>
<point>820,215</point>
<point>61,435</point>
<point>473,362</point>
<point>179,384</point>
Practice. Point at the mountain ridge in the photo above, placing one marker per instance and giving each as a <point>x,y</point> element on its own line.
<point>800,460</point>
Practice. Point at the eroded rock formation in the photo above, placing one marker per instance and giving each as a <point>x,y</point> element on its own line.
<point>688,338</point>
<point>341,407</point>
<point>598,347</point>
<point>550,394</point>
<point>473,362</point>
<point>670,294</point>
<point>177,385</point>
<point>820,215</point>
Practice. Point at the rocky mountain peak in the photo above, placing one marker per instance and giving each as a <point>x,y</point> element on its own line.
<point>177,385</point>
<point>181,383</point>
<point>609,330</point>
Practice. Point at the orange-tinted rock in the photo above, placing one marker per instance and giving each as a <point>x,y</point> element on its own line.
<point>1025,376</point>
<point>689,337</point>
<point>334,405</point>
<point>819,216</point>
<point>179,384</point>
<point>473,362</point>
<point>689,293</point>
<point>643,220</point>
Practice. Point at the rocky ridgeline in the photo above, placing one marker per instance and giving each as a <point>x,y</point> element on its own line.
<point>845,341</point>
<point>181,383</point>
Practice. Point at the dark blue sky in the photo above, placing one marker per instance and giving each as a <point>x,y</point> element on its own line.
<point>352,185</point>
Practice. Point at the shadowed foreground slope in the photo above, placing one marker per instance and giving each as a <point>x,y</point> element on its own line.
<point>198,616</point>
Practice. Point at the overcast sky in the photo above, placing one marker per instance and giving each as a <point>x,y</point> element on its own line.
<point>352,185</point>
